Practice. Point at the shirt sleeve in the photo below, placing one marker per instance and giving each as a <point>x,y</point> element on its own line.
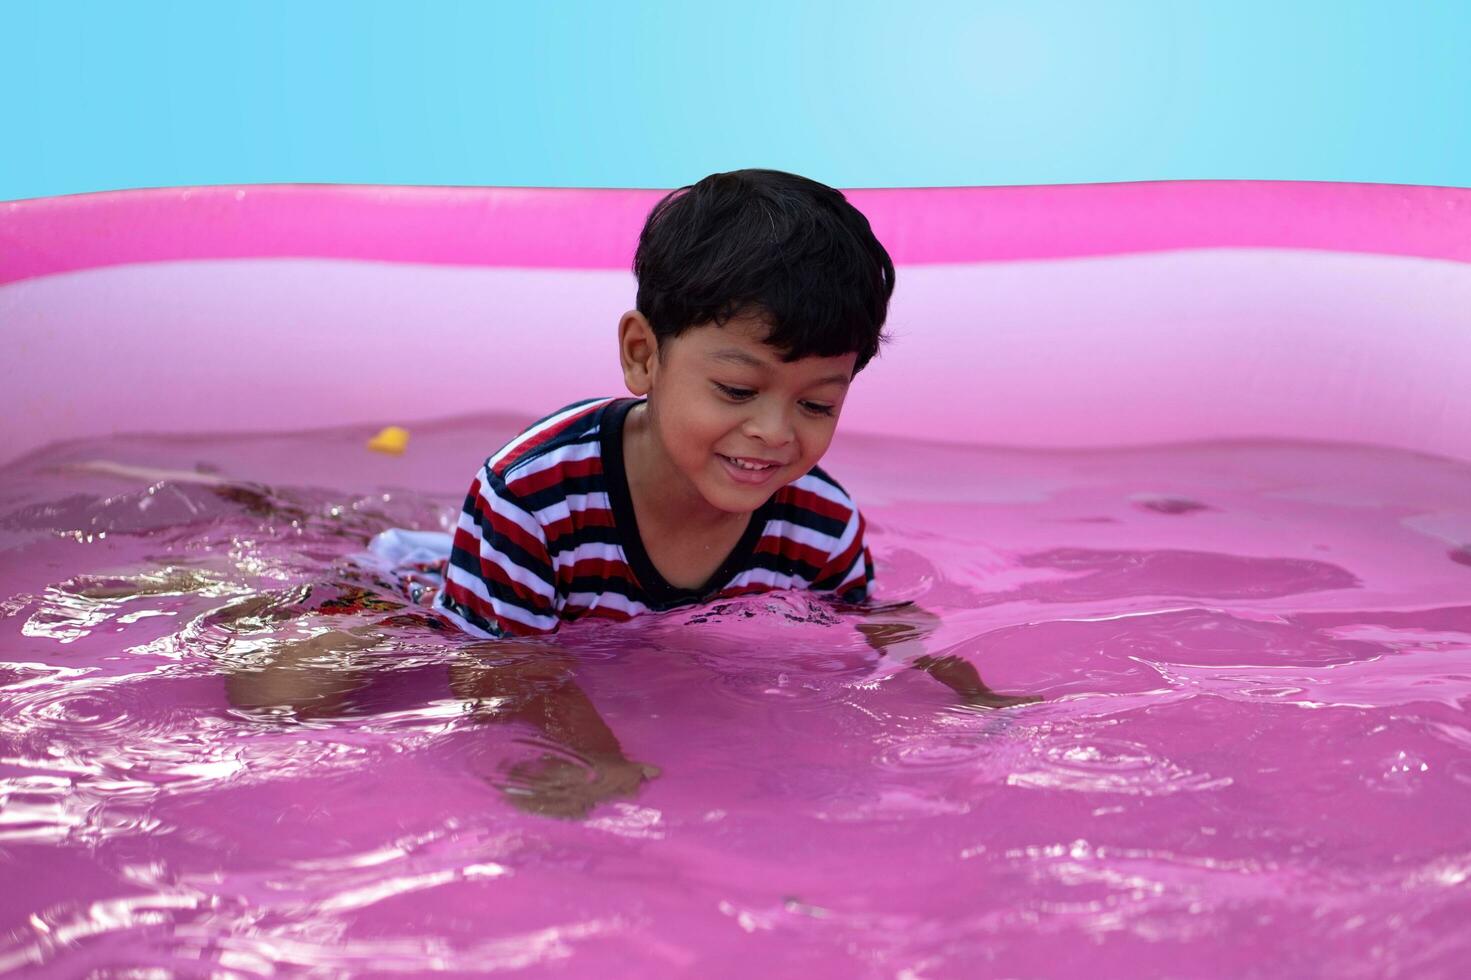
<point>499,580</point>
<point>849,569</point>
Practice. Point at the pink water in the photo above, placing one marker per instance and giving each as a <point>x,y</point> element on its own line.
<point>1252,756</point>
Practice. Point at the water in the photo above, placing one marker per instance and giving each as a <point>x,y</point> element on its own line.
<point>1252,755</point>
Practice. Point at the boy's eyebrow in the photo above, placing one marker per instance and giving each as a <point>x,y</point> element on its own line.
<point>738,356</point>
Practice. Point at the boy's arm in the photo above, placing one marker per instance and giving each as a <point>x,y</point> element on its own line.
<point>898,629</point>
<point>516,681</point>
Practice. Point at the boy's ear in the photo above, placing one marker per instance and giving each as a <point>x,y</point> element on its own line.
<point>638,350</point>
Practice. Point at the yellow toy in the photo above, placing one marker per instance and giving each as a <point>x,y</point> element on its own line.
<point>392,440</point>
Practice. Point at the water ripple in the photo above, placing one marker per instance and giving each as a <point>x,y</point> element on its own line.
<point>1100,766</point>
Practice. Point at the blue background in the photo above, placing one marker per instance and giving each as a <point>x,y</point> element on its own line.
<point>131,94</point>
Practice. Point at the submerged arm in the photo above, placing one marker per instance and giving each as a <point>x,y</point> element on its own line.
<point>510,680</point>
<point>532,683</point>
<point>899,629</point>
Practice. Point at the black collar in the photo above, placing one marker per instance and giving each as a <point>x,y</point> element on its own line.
<point>661,594</point>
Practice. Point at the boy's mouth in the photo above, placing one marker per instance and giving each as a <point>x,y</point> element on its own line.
<point>746,470</point>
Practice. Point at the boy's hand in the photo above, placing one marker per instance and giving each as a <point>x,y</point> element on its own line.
<point>990,700</point>
<point>960,676</point>
<point>555,786</point>
<point>900,628</point>
<point>532,683</point>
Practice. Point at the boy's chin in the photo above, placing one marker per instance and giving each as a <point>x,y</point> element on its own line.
<point>736,500</point>
<point>744,504</point>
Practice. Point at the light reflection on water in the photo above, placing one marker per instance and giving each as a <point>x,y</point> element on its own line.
<point>1252,753</point>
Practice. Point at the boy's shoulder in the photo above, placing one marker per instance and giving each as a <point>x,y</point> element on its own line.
<point>566,435</point>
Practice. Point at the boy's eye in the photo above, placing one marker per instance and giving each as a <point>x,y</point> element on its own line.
<point>745,394</point>
<point>734,394</point>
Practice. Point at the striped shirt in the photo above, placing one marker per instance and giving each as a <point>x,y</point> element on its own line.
<point>548,534</point>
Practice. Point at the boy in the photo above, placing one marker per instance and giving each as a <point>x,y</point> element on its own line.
<point>760,295</point>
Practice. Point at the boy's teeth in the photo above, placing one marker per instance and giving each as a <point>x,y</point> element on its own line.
<point>748,466</point>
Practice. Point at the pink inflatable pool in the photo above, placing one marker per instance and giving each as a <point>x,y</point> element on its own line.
<point>1187,462</point>
<point>1048,316</point>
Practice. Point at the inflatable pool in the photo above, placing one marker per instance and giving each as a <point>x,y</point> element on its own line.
<point>1186,461</point>
<point>1049,316</point>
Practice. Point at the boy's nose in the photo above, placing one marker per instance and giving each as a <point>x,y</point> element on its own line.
<point>772,426</point>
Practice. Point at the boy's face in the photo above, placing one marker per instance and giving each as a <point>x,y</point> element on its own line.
<point>734,419</point>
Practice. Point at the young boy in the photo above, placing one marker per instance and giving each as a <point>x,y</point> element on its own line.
<point>760,295</point>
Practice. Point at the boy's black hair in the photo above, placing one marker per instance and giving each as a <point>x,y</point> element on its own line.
<point>771,244</point>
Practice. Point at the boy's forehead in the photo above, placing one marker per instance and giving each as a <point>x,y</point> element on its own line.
<point>765,356</point>
<point>742,341</point>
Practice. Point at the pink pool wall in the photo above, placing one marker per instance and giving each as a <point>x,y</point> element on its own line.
<point>1032,316</point>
